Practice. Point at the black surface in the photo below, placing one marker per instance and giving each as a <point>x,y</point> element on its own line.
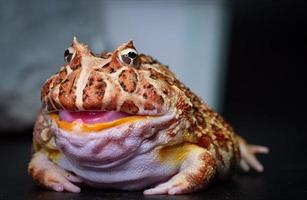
<point>284,177</point>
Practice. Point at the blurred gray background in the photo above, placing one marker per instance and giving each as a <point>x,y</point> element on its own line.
<point>189,36</point>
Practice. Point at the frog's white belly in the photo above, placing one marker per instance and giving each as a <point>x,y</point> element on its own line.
<point>138,172</point>
<point>122,157</point>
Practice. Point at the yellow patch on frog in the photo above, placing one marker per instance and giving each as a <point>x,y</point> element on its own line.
<point>54,155</point>
<point>97,126</point>
<point>175,154</point>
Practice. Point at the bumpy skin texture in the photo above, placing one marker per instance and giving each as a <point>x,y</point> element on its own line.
<point>180,147</point>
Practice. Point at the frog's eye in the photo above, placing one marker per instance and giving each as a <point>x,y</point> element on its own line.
<point>128,56</point>
<point>69,54</point>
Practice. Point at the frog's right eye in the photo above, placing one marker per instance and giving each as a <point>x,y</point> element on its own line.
<point>69,54</point>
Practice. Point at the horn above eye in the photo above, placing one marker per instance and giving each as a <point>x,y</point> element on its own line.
<point>69,53</point>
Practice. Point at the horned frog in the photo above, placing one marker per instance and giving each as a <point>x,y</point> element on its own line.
<point>123,120</point>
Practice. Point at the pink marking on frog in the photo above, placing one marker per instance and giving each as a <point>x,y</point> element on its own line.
<point>91,117</point>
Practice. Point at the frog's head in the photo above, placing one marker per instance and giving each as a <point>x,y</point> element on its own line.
<point>115,93</point>
<point>122,81</point>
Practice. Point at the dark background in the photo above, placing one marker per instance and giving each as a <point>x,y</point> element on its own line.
<point>265,98</point>
<point>264,101</point>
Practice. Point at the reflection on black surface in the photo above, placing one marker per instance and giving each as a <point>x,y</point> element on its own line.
<point>41,193</point>
<point>238,187</point>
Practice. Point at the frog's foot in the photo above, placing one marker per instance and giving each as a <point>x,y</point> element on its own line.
<point>248,158</point>
<point>51,176</point>
<point>195,172</point>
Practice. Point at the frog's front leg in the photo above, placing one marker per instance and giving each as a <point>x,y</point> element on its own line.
<point>196,170</point>
<point>50,175</point>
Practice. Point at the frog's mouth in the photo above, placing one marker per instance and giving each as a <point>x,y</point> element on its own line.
<point>93,121</point>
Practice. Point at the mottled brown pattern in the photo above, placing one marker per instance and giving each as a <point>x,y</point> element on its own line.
<point>67,95</point>
<point>45,90</point>
<point>48,91</point>
<point>182,105</point>
<point>205,141</point>
<point>93,92</point>
<point>220,138</point>
<point>128,80</point>
<point>107,68</point>
<point>218,155</point>
<point>55,103</point>
<point>151,94</point>
<point>62,75</point>
<point>129,107</point>
<point>155,75</point>
<point>114,65</point>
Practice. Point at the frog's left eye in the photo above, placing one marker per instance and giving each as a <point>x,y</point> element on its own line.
<point>69,54</point>
<point>128,56</point>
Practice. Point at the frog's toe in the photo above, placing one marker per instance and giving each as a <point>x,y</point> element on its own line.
<point>59,182</point>
<point>59,179</point>
<point>51,176</point>
<point>248,155</point>
<point>168,188</point>
<point>255,149</point>
<point>176,185</point>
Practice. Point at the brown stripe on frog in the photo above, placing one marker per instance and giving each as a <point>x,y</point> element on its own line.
<point>128,80</point>
<point>54,99</point>
<point>67,91</point>
<point>75,63</point>
<point>93,92</point>
<point>55,91</point>
<point>50,106</point>
<point>113,65</point>
<point>110,67</point>
<point>205,141</point>
<point>129,107</point>
<point>62,74</point>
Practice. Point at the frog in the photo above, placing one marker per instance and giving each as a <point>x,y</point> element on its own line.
<point>123,120</point>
